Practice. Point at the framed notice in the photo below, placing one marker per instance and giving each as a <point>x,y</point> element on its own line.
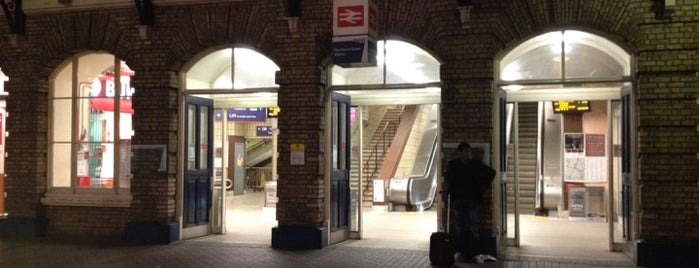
<point>595,145</point>
<point>297,154</point>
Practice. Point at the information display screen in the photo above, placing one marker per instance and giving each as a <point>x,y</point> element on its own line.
<point>571,106</point>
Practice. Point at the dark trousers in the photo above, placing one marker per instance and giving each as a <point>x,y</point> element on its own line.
<point>466,227</point>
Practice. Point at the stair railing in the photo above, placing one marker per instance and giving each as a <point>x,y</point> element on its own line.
<point>374,155</point>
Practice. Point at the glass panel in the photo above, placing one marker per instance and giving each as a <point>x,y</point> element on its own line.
<point>95,165</point>
<point>224,81</point>
<point>61,163</point>
<point>406,63</point>
<point>96,131</point>
<point>586,56</point>
<point>125,126</point>
<point>125,164</point>
<point>62,124</point>
<point>584,61</point>
<point>617,173</point>
<point>253,70</point>
<point>216,70</point>
<point>191,137</point>
<point>342,126</point>
<point>543,62</point>
<point>355,153</point>
<point>63,83</point>
<point>203,137</point>
<point>334,139</point>
<point>91,69</point>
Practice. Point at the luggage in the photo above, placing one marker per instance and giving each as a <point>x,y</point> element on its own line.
<point>442,244</point>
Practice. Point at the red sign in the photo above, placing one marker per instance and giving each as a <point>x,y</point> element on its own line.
<point>83,181</point>
<point>350,16</point>
<point>103,90</point>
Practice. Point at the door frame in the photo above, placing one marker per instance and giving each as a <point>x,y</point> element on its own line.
<point>502,197</point>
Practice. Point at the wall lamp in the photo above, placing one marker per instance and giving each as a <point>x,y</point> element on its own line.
<point>145,17</point>
<point>465,7</point>
<point>293,13</point>
<point>664,9</point>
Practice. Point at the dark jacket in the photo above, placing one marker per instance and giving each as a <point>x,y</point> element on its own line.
<point>467,182</point>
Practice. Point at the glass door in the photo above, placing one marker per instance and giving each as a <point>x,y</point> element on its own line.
<point>340,163</point>
<point>510,178</point>
<point>198,161</point>
<point>356,180</point>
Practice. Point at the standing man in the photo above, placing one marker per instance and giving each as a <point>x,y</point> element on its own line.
<point>467,177</point>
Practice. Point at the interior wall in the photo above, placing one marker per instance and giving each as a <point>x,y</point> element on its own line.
<point>595,121</point>
<point>572,123</point>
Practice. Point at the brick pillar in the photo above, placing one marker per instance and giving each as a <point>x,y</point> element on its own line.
<point>301,188</point>
<point>25,166</point>
<point>153,209</point>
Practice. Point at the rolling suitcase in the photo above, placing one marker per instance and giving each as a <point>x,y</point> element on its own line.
<point>442,244</point>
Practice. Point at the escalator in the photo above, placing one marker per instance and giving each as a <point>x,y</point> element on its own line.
<point>417,191</point>
<point>259,152</point>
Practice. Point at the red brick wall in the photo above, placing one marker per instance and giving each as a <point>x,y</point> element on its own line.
<point>665,51</point>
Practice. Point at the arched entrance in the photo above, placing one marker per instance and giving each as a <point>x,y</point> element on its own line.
<point>228,145</point>
<point>394,107</point>
<point>564,130</point>
<point>3,115</point>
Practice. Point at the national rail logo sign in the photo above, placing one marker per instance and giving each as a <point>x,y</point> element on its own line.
<point>350,16</point>
<point>354,17</point>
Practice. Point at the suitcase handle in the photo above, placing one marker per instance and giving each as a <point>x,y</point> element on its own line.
<point>447,223</point>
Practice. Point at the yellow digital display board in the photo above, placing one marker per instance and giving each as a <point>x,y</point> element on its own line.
<point>273,112</point>
<point>571,106</point>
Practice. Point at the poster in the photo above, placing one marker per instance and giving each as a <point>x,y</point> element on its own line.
<point>585,158</point>
<point>574,143</point>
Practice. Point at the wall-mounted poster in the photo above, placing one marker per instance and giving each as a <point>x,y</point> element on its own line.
<point>574,143</point>
<point>596,157</point>
<point>574,169</point>
<point>595,145</point>
<point>585,158</point>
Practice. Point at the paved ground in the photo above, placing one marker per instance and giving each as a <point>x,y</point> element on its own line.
<point>194,253</point>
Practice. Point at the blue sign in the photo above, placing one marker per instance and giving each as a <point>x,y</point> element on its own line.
<point>354,51</point>
<point>264,131</point>
<point>218,115</point>
<point>247,114</point>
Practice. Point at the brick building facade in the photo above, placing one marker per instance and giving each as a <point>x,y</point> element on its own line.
<point>666,90</point>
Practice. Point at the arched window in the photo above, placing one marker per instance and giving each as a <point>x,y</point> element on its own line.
<point>556,62</point>
<point>90,125</point>
<point>399,65</point>
<point>232,68</point>
<point>404,64</point>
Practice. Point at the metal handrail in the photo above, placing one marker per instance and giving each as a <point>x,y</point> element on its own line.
<point>374,152</point>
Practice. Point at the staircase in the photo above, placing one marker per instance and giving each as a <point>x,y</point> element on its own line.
<point>527,161</point>
<point>376,145</point>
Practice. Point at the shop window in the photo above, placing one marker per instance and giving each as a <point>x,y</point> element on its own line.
<point>90,125</point>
